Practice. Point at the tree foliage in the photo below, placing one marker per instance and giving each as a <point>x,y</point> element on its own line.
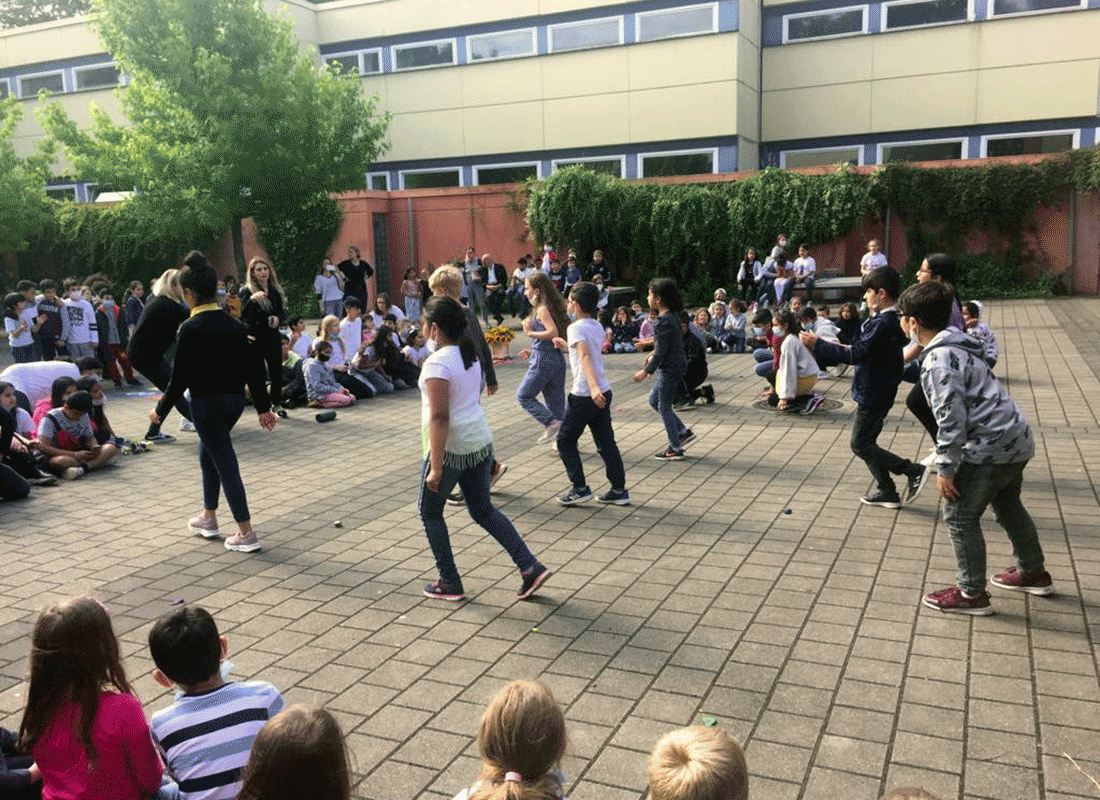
<point>226,112</point>
<point>25,209</point>
<point>17,13</point>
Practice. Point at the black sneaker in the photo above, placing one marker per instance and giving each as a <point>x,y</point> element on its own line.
<point>532,581</point>
<point>160,438</point>
<point>882,499</point>
<point>914,484</point>
<point>687,437</point>
<point>575,496</point>
<point>618,497</point>
<point>445,591</point>
<point>708,394</point>
<point>456,499</point>
<point>670,455</point>
<point>280,412</point>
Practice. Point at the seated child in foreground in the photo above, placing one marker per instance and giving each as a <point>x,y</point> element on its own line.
<point>205,736</point>
<point>698,763</point>
<point>67,442</point>
<point>300,753</point>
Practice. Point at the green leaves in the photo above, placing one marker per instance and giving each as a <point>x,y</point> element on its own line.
<point>24,207</point>
<point>297,240</point>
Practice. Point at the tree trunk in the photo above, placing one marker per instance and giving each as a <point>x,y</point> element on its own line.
<point>238,246</point>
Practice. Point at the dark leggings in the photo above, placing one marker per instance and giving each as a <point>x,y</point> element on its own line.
<point>214,418</point>
<point>12,486</point>
<point>159,375</point>
<point>917,404</point>
<point>268,354</point>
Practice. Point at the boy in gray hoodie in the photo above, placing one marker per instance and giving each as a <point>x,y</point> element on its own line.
<point>982,447</point>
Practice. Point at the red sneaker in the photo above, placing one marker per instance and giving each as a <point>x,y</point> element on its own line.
<point>1032,583</point>
<point>952,601</point>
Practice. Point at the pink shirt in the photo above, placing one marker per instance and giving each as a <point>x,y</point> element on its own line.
<point>128,767</point>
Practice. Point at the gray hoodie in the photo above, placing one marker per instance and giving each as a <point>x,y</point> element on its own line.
<point>978,422</point>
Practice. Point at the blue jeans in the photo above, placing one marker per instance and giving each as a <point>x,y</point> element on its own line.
<point>474,483</point>
<point>214,417</point>
<point>334,308</point>
<point>547,375</point>
<point>583,413</point>
<point>661,397</point>
<point>624,347</point>
<point>981,486</point>
<point>412,311</point>
<point>372,378</point>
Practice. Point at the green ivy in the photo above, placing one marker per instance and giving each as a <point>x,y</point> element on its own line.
<point>296,240</point>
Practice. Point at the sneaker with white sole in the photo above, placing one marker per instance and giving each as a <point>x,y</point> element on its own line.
<point>445,591</point>
<point>952,601</point>
<point>497,472</point>
<point>456,499</point>
<point>929,461</point>
<point>206,528</point>
<point>160,438</point>
<point>243,543</point>
<point>1033,583</point>
<point>72,473</point>
<point>551,432</point>
<point>617,497</point>
<point>532,581</point>
<point>914,484</point>
<point>575,496</point>
<point>187,426</point>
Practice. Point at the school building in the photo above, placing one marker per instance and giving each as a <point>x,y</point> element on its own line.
<point>495,91</point>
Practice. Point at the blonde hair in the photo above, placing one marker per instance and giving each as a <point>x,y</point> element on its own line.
<point>272,279</point>
<point>322,329</point>
<point>448,280</point>
<point>698,763</point>
<point>522,732</point>
<point>168,285</point>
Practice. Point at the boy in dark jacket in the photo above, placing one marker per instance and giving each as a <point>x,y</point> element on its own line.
<point>878,359</point>
<point>114,335</point>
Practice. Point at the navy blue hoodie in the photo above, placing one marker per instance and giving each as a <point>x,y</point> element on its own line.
<point>877,354</point>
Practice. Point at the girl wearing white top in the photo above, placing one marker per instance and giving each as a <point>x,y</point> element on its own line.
<point>872,259</point>
<point>329,285</point>
<point>797,373</point>
<point>458,449</point>
<point>382,307</point>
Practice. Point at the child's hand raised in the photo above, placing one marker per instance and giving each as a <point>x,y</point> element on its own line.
<point>561,344</point>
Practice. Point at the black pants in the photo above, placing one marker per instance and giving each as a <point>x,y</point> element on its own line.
<point>267,353</point>
<point>159,375</point>
<point>12,485</point>
<point>748,290</point>
<point>495,301</point>
<point>917,404</point>
<point>580,413</point>
<point>865,432</point>
<point>358,388</point>
<point>214,418</point>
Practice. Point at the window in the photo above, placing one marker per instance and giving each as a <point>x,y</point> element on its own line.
<point>791,159</point>
<point>1002,7</point>
<point>61,192</point>
<point>825,24</point>
<point>424,54</point>
<point>587,34</point>
<point>505,173</point>
<point>365,63</point>
<point>344,63</point>
<point>31,85</point>
<point>97,77</point>
<point>431,179</point>
<point>5,89</point>
<point>1029,143</point>
<point>666,164</point>
<point>921,151</point>
<point>604,166</point>
<point>506,44</point>
<point>378,181</point>
<point>924,12</point>
<point>665,24</point>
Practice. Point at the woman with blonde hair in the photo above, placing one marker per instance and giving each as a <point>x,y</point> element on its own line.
<point>263,311</point>
<point>154,334</point>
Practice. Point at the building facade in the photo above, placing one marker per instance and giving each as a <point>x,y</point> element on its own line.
<point>488,91</point>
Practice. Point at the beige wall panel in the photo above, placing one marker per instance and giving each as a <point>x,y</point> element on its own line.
<point>585,121</point>
<point>503,129</point>
<point>558,6</point>
<point>820,111</point>
<point>302,15</point>
<point>683,112</point>
<point>675,62</point>
<point>748,63</point>
<point>818,63</point>
<point>342,21</point>
<point>513,81</point>
<point>587,72</point>
<point>748,109</point>
<point>432,134</point>
<point>1040,91</point>
<point>748,155</point>
<point>927,101</point>
<point>921,51</point>
<point>424,90</point>
<point>48,41</point>
<point>749,13</point>
<point>1039,38</point>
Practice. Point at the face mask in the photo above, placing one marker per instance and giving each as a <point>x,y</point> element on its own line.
<point>782,242</point>
<point>572,317</point>
<point>546,248</point>
<point>221,292</point>
<point>186,305</point>
<point>330,268</point>
<point>108,304</point>
<point>322,357</point>
<point>757,331</point>
<point>98,402</point>
<point>777,330</point>
<point>76,294</point>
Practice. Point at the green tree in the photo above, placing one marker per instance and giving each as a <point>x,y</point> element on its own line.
<point>25,210</point>
<point>16,13</point>
<point>227,113</point>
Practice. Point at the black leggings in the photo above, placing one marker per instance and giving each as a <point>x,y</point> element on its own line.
<point>214,418</point>
<point>159,375</point>
<point>267,352</point>
<point>12,486</point>
<point>917,404</point>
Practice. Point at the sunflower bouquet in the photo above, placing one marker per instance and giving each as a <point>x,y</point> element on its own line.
<point>498,338</point>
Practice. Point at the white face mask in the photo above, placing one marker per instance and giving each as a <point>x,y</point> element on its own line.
<point>108,304</point>
<point>76,294</point>
<point>776,330</point>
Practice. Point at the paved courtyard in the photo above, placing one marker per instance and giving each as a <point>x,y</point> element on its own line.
<point>746,583</point>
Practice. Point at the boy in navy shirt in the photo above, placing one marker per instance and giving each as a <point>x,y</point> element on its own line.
<point>877,354</point>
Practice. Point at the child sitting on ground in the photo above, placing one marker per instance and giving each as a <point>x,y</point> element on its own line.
<point>101,426</point>
<point>644,341</point>
<point>522,741</point>
<point>300,753</point>
<point>735,325</point>
<point>698,763</point>
<point>624,330</point>
<point>416,349</point>
<point>322,390</point>
<point>761,331</point>
<point>62,387</point>
<point>67,442</point>
<point>206,734</point>
<point>972,316</point>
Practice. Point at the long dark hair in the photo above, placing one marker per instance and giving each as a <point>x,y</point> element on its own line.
<point>747,261</point>
<point>449,316</point>
<point>384,349</point>
<point>10,302</point>
<point>789,320</point>
<point>74,656</point>
<point>549,296</point>
<point>299,753</point>
<point>58,388</point>
<point>665,288</point>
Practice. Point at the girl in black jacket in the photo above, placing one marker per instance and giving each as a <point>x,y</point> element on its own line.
<point>263,311</point>
<point>153,337</point>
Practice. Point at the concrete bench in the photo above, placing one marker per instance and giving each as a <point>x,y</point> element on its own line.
<point>837,287</point>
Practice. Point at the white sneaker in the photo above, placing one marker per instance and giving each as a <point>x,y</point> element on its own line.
<point>929,460</point>
<point>840,369</point>
<point>187,425</point>
<point>72,473</point>
<point>825,375</point>
<point>551,432</point>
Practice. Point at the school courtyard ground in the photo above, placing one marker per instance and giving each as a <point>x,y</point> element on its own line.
<point>746,585</point>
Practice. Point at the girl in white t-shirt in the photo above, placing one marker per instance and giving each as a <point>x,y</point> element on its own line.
<point>872,259</point>
<point>300,341</point>
<point>458,449</point>
<point>19,332</point>
<point>521,740</point>
<point>329,286</point>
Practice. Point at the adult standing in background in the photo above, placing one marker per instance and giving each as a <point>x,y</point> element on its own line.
<point>474,288</point>
<point>263,311</point>
<point>357,275</point>
<point>495,280</point>
<point>153,338</point>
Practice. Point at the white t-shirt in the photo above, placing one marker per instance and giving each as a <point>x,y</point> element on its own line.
<point>301,347</point>
<point>469,431</point>
<point>416,354</point>
<point>379,320</point>
<point>17,339</point>
<point>590,332</point>
<point>36,378</point>
<point>340,358</point>
<point>328,286</point>
<point>872,261</point>
<point>24,423</point>
<point>805,266</point>
<point>81,317</point>
<point>351,331</point>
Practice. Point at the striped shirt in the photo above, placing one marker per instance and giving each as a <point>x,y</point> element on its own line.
<point>206,738</point>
